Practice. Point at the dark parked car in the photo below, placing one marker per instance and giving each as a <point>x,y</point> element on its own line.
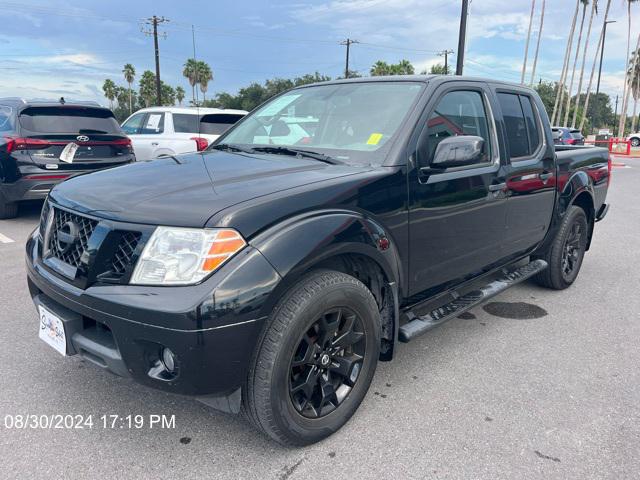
<point>44,143</point>
<point>567,136</point>
<point>270,273</point>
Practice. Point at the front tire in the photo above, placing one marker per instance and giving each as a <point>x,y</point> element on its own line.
<point>635,142</point>
<point>316,359</point>
<point>566,252</point>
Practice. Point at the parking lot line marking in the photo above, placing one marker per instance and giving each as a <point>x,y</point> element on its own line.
<point>5,239</point>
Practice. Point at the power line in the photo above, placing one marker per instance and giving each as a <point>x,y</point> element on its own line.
<point>154,22</point>
<point>348,42</point>
<point>445,54</point>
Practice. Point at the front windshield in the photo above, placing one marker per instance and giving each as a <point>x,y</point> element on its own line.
<point>351,122</point>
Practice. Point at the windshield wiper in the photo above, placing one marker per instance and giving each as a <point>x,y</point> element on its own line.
<point>298,153</point>
<point>229,147</point>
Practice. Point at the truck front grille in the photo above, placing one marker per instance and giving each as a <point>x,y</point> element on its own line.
<point>67,224</point>
<point>123,257</point>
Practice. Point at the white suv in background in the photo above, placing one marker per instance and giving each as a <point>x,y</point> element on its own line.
<point>160,131</point>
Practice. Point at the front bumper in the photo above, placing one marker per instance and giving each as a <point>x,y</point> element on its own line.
<point>31,188</point>
<point>212,328</point>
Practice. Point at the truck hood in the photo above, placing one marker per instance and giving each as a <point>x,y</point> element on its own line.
<point>188,189</point>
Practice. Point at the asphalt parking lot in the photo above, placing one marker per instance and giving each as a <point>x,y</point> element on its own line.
<point>552,392</point>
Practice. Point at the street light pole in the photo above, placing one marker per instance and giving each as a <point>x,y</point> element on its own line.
<point>604,36</point>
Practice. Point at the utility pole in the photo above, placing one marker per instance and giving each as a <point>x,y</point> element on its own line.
<point>445,54</point>
<point>604,36</point>
<point>462,36</point>
<point>348,43</point>
<point>154,22</point>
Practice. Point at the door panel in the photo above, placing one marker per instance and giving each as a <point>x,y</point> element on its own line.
<point>457,217</point>
<point>530,176</point>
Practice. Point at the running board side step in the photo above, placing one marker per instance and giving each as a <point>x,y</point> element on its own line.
<point>416,326</point>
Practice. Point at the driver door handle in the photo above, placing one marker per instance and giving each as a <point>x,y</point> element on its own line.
<point>544,176</point>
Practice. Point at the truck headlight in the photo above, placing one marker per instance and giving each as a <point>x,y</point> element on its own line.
<point>183,256</point>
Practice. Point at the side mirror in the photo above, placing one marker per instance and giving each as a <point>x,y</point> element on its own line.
<point>458,151</point>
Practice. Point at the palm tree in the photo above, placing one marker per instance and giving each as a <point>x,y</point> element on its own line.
<point>190,71</point>
<point>109,89</point>
<point>526,44</point>
<point>594,9</point>
<point>129,75</point>
<point>557,107</point>
<point>205,75</point>
<point>625,91</point>
<point>179,95</point>
<point>575,62</point>
<point>631,80</point>
<point>635,87</point>
<point>535,57</point>
<point>593,66</point>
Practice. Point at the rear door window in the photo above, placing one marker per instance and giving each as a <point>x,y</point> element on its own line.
<point>185,123</point>
<point>74,120</point>
<point>521,124</point>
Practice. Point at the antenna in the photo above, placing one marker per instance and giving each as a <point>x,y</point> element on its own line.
<point>193,39</point>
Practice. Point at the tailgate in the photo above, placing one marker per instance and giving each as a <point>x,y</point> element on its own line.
<point>47,130</point>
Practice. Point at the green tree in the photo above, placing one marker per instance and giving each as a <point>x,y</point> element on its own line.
<point>575,63</point>
<point>180,95</point>
<point>204,75</point>
<point>168,94</point>
<point>626,91</point>
<point>148,88</point>
<point>438,69</point>
<point>634,84</point>
<point>129,75</point>
<point>190,72</point>
<point>403,67</point>
<point>109,89</point>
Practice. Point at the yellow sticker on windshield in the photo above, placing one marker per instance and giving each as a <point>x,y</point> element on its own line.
<point>374,138</point>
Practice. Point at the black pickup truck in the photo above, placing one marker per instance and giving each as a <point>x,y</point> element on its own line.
<point>270,273</point>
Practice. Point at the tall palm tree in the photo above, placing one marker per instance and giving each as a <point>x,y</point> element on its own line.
<point>593,66</point>
<point>630,79</point>
<point>594,10</point>
<point>557,107</point>
<point>526,44</point>
<point>575,63</point>
<point>129,75</point>
<point>190,71</point>
<point>625,91</point>
<point>635,87</point>
<point>109,89</point>
<point>205,75</point>
<point>179,95</point>
<point>535,57</point>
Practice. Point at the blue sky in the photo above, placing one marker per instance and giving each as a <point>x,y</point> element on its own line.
<point>54,48</point>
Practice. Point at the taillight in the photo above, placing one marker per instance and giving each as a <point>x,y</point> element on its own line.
<point>123,142</point>
<point>609,170</point>
<point>571,141</point>
<point>26,144</point>
<point>201,143</point>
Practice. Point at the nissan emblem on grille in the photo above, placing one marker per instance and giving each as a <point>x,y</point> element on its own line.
<point>67,236</point>
<point>82,138</point>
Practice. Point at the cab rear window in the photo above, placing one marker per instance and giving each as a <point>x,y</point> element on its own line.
<point>70,119</point>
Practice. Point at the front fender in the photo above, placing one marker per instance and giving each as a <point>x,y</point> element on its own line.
<point>294,246</point>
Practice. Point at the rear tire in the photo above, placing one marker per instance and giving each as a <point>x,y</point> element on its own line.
<point>313,365</point>
<point>635,142</point>
<point>8,210</point>
<point>566,252</point>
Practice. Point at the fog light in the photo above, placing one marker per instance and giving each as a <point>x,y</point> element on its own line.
<point>168,359</point>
